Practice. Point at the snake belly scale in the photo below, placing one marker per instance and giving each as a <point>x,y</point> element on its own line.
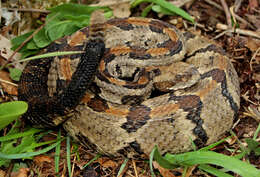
<point>154,86</point>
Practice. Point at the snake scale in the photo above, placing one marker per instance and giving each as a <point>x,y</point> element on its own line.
<point>152,85</point>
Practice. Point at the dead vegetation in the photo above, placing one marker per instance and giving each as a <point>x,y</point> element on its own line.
<point>233,24</point>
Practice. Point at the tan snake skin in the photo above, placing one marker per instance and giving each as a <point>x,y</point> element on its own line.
<point>154,86</point>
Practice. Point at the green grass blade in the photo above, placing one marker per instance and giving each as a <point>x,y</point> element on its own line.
<point>146,10</point>
<point>256,132</point>
<point>213,171</point>
<point>160,9</point>
<point>68,155</point>
<point>57,153</point>
<point>155,155</point>
<point>165,163</point>
<point>122,167</point>
<point>151,161</point>
<point>214,144</point>
<point>19,135</point>
<point>92,160</point>
<point>36,145</point>
<point>50,54</point>
<point>184,173</point>
<point>28,154</point>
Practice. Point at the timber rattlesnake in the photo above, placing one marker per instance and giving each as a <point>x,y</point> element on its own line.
<point>154,86</point>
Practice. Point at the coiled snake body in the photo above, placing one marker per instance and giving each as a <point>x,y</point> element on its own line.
<point>154,86</point>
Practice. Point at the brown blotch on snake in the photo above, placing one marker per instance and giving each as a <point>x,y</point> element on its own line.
<point>153,86</point>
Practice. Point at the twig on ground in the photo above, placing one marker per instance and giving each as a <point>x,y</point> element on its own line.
<point>29,10</point>
<point>232,10</point>
<point>130,174</point>
<point>180,3</point>
<point>110,3</point>
<point>199,25</point>
<point>214,4</point>
<point>253,58</point>
<point>238,31</point>
<point>237,4</point>
<point>221,34</point>
<point>135,170</point>
<point>7,82</point>
<point>2,92</point>
<point>73,166</point>
<point>226,10</point>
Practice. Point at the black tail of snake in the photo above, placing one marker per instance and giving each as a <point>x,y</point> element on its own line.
<point>143,83</point>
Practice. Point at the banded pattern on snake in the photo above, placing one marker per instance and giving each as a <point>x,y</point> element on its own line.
<point>154,86</point>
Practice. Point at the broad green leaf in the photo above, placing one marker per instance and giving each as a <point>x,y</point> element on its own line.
<point>167,6</point>
<point>252,144</point>
<point>40,39</point>
<point>31,45</point>
<point>15,73</point>
<point>204,159</point>
<point>10,111</point>
<point>17,41</point>
<point>57,30</point>
<point>28,53</point>
<point>165,163</point>
<point>63,20</point>
<point>16,142</point>
<point>155,155</point>
<point>257,151</point>
<point>79,21</point>
<point>210,157</point>
<point>12,148</point>
<point>29,49</point>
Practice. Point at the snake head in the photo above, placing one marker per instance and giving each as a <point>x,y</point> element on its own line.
<point>95,49</point>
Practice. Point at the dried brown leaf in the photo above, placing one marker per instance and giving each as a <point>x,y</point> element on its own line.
<point>5,48</point>
<point>190,170</point>
<point>40,159</point>
<point>252,44</point>
<point>7,84</point>
<point>164,172</point>
<point>23,172</point>
<point>106,163</point>
<point>253,111</point>
<point>2,173</point>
